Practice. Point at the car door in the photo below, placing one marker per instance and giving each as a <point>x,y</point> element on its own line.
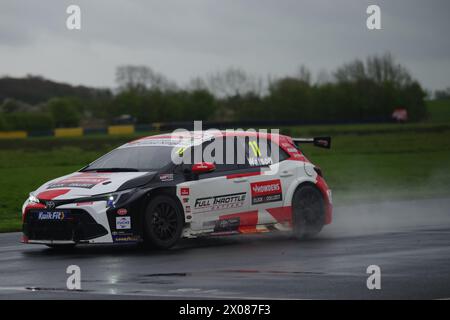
<point>266,189</point>
<point>218,201</point>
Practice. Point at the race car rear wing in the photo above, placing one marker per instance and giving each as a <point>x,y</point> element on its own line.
<point>321,142</point>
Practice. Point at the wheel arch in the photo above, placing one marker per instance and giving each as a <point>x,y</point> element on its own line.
<point>295,185</point>
<point>152,193</point>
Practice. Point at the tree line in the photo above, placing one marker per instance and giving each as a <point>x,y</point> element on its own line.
<point>358,91</point>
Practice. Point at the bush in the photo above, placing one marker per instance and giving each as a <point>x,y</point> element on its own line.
<point>29,121</point>
<point>65,111</point>
<point>2,122</point>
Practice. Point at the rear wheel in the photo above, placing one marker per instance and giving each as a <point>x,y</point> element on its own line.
<point>163,222</point>
<point>308,212</point>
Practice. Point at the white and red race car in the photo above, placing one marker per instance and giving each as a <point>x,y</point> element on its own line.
<point>161,188</point>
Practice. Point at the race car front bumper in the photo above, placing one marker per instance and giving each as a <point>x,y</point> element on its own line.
<point>71,223</point>
<point>99,219</point>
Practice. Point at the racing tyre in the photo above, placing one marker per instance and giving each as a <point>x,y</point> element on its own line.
<point>308,212</point>
<point>163,222</point>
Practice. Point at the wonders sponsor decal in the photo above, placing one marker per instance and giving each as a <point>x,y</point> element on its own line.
<point>266,191</point>
<point>221,202</point>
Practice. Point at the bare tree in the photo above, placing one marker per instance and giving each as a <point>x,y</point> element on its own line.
<point>350,72</point>
<point>197,83</point>
<point>304,74</point>
<point>323,77</point>
<point>233,82</point>
<point>442,94</point>
<point>385,69</point>
<point>130,77</point>
<point>379,69</point>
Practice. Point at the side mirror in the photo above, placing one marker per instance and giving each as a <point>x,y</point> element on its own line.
<point>203,167</point>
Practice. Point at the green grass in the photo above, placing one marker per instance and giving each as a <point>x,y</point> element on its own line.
<point>366,162</point>
<point>386,166</point>
<point>438,110</point>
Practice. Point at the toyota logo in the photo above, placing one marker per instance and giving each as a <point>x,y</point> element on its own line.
<point>50,205</point>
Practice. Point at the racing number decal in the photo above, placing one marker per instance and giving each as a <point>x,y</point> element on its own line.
<point>257,159</point>
<point>181,150</point>
<point>255,148</point>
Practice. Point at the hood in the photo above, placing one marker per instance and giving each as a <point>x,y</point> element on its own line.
<point>86,184</point>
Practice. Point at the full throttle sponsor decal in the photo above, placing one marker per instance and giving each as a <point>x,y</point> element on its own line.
<point>78,181</point>
<point>266,191</point>
<point>221,202</point>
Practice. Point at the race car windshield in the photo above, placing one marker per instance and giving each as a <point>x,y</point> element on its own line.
<point>145,158</point>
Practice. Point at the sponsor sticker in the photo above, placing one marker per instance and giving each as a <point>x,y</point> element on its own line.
<point>52,215</point>
<point>266,191</point>
<point>188,209</point>
<point>166,177</point>
<point>87,181</point>
<point>221,202</point>
<point>122,211</point>
<point>184,191</point>
<point>123,223</point>
<point>260,161</point>
<point>125,238</point>
<point>81,204</point>
<point>231,224</point>
<point>185,200</point>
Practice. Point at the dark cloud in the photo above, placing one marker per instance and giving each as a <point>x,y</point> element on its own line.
<point>187,38</point>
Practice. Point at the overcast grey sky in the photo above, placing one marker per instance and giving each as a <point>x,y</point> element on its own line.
<point>187,38</point>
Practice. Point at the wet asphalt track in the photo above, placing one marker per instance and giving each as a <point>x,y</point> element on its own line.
<point>409,240</point>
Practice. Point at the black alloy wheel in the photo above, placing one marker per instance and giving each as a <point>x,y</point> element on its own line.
<point>308,212</point>
<point>163,222</point>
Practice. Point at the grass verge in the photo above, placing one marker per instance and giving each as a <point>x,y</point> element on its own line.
<point>366,163</point>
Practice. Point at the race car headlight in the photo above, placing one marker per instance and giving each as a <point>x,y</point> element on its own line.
<point>32,198</point>
<point>113,199</point>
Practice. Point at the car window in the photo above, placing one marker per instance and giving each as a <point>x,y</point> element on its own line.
<point>233,153</point>
<point>261,152</point>
<point>220,151</point>
<point>144,158</point>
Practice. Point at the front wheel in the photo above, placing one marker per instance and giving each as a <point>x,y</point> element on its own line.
<point>163,222</point>
<point>308,212</point>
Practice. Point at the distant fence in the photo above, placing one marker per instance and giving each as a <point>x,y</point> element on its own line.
<point>167,126</point>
